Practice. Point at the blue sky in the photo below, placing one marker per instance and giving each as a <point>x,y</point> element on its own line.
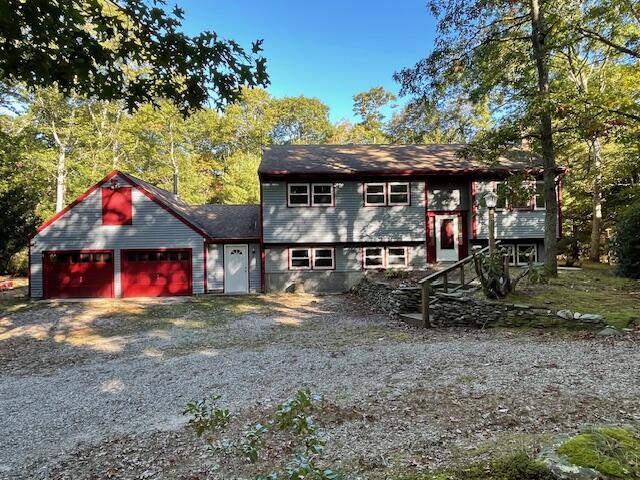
<point>325,49</point>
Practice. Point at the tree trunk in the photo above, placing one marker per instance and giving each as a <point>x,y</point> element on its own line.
<point>596,200</point>
<point>61,179</point>
<point>546,137</point>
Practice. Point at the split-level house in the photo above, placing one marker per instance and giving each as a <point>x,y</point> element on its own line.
<point>327,215</point>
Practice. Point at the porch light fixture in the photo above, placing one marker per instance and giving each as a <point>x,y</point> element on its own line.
<point>490,199</point>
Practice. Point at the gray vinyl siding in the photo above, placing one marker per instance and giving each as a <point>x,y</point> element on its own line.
<point>514,224</point>
<point>348,221</point>
<point>215,268</point>
<point>81,228</point>
<point>348,269</point>
<point>448,194</point>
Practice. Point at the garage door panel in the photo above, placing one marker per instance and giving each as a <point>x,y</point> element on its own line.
<point>156,273</point>
<point>77,274</point>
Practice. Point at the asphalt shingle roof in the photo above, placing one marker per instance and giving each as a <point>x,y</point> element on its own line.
<point>350,159</point>
<point>217,221</point>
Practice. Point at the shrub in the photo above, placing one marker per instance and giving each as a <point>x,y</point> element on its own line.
<point>626,243</point>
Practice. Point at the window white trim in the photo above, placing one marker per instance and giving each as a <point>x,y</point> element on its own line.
<point>404,256</point>
<point>383,194</point>
<point>381,257</point>
<point>407,193</point>
<point>313,195</point>
<point>511,251</point>
<point>308,257</point>
<point>289,185</point>
<point>384,256</point>
<point>522,247</point>
<point>333,258</point>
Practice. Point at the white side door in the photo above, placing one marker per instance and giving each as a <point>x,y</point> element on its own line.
<point>236,269</point>
<point>447,238</point>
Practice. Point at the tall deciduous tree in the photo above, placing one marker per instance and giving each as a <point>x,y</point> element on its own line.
<point>122,49</point>
<point>368,106</point>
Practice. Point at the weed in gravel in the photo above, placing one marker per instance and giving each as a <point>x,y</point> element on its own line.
<point>292,417</point>
<point>518,466</point>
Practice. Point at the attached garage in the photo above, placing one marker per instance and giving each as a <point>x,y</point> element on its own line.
<point>78,274</point>
<point>156,273</point>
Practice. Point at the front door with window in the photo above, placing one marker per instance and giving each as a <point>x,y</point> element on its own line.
<point>236,269</point>
<point>447,238</point>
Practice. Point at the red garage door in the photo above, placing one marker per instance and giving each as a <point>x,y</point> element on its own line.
<point>156,273</point>
<point>78,274</point>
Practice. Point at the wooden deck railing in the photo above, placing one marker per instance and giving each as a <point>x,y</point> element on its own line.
<point>429,281</point>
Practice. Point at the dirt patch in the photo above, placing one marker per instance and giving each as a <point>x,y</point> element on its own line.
<point>396,399</point>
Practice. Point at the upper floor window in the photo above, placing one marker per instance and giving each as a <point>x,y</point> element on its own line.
<point>310,194</point>
<point>375,194</point>
<point>398,193</point>
<point>531,195</point>
<point>391,193</point>
<point>298,194</point>
<point>539,200</point>
<point>116,206</point>
<point>322,194</point>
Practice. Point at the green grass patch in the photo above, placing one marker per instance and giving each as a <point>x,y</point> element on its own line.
<point>614,452</point>
<point>518,466</point>
<point>593,289</point>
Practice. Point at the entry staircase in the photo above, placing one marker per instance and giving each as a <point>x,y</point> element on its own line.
<point>450,279</point>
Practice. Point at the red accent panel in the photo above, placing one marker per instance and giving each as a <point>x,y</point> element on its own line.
<point>156,273</point>
<point>116,206</point>
<point>78,273</point>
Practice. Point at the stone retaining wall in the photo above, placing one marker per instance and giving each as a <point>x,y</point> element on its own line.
<point>464,309</point>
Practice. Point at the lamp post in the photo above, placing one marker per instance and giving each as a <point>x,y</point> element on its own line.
<point>491,200</point>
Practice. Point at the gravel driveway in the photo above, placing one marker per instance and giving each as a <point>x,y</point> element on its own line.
<point>96,390</point>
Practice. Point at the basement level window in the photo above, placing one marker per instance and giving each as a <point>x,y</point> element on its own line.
<point>299,258</point>
<point>323,258</point>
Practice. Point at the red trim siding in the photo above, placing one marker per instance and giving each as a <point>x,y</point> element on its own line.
<point>205,250</point>
<point>474,210</point>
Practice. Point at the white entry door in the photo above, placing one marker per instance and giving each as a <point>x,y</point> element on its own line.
<point>447,238</point>
<point>236,269</point>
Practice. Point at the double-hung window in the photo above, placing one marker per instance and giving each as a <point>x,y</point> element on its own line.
<point>322,194</point>
<point>298,194</point>
<point>524,250</point>
<point>396,257</point>
<point>398,193</point>
<point>385,257</point>
<point>389,193</point>
<point>375,194</point>
<point>310,194</point>
<point>300,258</point>
<point>321,258</point>
<point>374,257</point>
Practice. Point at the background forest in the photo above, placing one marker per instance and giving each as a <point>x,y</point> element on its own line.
<point>485,83</point>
